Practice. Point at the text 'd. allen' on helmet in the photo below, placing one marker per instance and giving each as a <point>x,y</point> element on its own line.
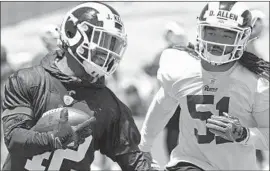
<point>223,31</point>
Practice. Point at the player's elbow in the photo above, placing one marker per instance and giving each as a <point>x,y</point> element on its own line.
<point>27,142</point>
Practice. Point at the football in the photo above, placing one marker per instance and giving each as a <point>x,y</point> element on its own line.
<point>50,119</point>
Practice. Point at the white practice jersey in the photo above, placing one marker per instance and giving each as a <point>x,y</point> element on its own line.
<point>201,94</point>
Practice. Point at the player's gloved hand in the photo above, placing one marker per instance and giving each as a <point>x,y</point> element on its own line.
<point>154,164</point>
<point>64,134</point>
<point>228,127</point>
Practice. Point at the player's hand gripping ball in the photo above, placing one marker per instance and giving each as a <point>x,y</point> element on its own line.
<point>228,127</point>
<point>66,126</point>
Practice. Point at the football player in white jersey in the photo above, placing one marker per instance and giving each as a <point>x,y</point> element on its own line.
<point>224,96</point>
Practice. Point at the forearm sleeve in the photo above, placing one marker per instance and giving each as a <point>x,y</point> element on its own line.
<point>159,113</point>
<point>20,139</point>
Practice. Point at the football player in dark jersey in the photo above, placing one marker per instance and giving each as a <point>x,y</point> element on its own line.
<point>93,41</point>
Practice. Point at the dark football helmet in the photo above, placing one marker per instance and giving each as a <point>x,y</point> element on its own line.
<point>94,34</point>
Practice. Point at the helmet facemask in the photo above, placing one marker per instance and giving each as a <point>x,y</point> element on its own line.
<point>101,50</point>
<point>218,51</point>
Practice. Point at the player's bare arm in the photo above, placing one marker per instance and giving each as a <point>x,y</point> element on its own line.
<point>164,103</point>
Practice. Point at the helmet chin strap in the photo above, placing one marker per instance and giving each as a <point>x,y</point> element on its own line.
<point>90,69</point>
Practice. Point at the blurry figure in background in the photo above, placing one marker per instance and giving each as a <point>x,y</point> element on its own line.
<point>258,27</point>
<point>113,82</point>
<point>50,39</point>
<point>134,101</point>
<point>175,35</point>
<point>21,60</point>
<point>6,71</point>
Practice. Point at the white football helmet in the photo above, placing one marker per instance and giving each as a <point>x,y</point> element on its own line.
<point>94,34</point>
<point>230,16</point>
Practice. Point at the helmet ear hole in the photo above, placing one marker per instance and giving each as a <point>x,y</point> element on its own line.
<point>70,29</point>
<point>69,34</point>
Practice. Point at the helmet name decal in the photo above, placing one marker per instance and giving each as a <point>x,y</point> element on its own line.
<point>118,19</point>
<point>222,14</point>
<point>227,14</point>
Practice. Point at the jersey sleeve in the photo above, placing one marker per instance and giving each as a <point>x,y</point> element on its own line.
<point>178,71</point>
<point>259,136</point>
<point>166,73</point>
<point>121,135</point>
<point>127,136</point>
<point>164,103</point>
<point>18,117</point>
<point>120,142</point>
<point>16,96</point>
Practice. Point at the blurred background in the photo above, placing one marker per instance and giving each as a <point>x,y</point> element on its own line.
<point>28,32</point>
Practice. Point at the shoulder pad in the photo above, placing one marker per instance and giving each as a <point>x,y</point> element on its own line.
<point>190,49</point>
<point>29,76</point>
<point>174,65</point>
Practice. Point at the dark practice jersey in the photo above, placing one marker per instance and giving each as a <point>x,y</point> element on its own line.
<point>35,90</point>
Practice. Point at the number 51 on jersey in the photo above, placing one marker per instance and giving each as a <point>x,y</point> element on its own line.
<point>221,106</point>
